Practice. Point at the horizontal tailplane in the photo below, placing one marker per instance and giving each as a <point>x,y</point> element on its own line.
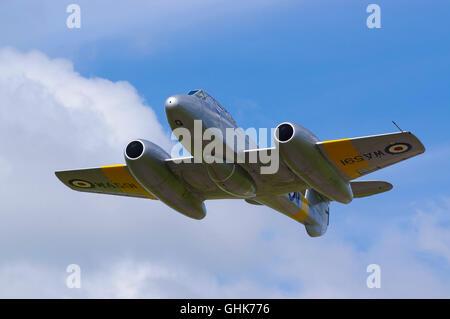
<point>369,188</point>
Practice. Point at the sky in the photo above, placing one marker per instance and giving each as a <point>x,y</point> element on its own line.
<point>73,98</point>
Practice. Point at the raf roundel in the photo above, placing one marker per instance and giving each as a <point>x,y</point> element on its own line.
<point>398,148</point>
<point>81,183</point>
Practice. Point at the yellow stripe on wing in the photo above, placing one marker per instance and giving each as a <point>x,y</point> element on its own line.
<point>345,156</point>
<point>119,176</point>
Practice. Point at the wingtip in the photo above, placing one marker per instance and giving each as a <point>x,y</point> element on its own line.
<point>389,186</point>
<point>420,146</point>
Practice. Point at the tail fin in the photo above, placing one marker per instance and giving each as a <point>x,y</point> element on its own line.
<point>319,213</point>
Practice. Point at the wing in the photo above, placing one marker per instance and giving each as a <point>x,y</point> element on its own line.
<point>113,180</point>
<point>355,157</point>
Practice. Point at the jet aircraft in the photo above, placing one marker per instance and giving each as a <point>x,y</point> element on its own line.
<point>310,173</point>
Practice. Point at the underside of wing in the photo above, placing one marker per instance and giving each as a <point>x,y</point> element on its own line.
<point>359,156</point>
<point>113,180</point>
<point>196,176</point>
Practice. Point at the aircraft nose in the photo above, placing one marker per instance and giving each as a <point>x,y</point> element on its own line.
<point>181,110</point>
<point>172,103</point>
<point>182,104</point>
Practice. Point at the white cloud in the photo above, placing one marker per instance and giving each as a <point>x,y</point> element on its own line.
<point>433,230</point>
<point>46,96</point>
<point>52,118</point>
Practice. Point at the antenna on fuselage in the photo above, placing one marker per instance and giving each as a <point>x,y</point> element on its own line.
<point>397,127</point>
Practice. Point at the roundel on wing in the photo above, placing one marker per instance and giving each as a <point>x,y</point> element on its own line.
<point>397,148</point>
<point>81,183</point>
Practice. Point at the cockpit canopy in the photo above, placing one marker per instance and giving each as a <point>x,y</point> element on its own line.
<point>205,96</point>
<point>192,92</point>
<point>201,94</point>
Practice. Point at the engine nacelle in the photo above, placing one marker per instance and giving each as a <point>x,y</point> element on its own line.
<point>298,149</point>
<point>232,179</point>
<point>146,162</point>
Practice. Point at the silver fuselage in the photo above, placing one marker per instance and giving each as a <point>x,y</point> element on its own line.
<point>182,110</point>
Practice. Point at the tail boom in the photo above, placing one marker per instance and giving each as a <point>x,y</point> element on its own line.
<point>310,209</point>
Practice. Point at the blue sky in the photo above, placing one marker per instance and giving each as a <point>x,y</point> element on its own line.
<point>312,62</point>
